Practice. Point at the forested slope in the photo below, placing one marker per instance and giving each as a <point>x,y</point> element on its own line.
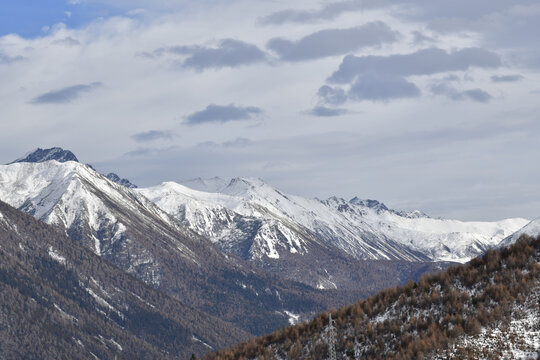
<point>486,309</point>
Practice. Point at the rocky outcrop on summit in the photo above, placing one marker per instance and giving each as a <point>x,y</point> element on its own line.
<point>42,155</point>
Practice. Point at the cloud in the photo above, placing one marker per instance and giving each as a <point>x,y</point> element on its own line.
<point>382,87</point>
<point>506,78</point>
<point>327,12</point>
<point>6,59</point>
<point>323,111</point>
<point>420,38</point>
<point>332,42</point>
<point>332,95</point>
<point>222,114</point>
<point>422,62</point>
<point>65,95</point>
<point>68,41</point>
<point>477,95</point>
<point>152,135</point>
<point>237,143</point>
<point>228,53</point>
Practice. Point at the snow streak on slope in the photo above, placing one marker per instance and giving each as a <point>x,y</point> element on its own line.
<point>365,229</point>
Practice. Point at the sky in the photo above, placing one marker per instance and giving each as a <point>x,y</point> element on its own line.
<point>422,104</point>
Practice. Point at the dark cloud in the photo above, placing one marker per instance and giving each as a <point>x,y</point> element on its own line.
<point>152,135</point>
<point>333,42</point>
<point>65,95</point>
<point>332,95</point>
<point>323,111</point>
<point>227,53</point>
<point>68,41</point>
<point>477,95</point>
<point>327,12</point>
<point>221,114</point>
<point>423,62</point>
<point>381,87</point>
<point>506,78</point>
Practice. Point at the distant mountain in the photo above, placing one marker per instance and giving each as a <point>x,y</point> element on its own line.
<point>256,221</point>
<point>127,229</point>
<point>281,246</point>
<point>41,155</point>
<point>486,309</point>
<point>61,301</point>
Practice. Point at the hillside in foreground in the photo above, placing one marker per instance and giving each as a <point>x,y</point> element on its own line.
<point>488,308</point>
<point>58,300</point>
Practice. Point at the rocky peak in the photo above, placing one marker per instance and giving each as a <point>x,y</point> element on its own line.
<point>41,155</point>
<point>122,181</point>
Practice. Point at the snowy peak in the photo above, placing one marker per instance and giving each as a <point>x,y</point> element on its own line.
<point>41,155</point>
<point>61,155</point>
<point>243,186</point>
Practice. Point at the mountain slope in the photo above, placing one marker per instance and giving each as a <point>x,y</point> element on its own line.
<point>485,309</point>
<point>364,229</point>
<point>125,228</point>
<point>280,246</point>
<point>319,242</point>
<point>59,300</point>
<point>531,229</point>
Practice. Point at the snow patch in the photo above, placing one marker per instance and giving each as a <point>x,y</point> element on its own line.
<point>293,318</point>
<point>194,338</point>
<point>55,255</point>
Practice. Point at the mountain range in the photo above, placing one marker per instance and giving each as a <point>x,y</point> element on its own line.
<point>240,250</point>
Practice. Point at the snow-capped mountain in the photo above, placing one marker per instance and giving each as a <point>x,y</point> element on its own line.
<point>364,229</point>
<point>124,227</point>
<point>57,153</point>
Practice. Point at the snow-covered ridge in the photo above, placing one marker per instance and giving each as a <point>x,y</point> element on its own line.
<point>531,229</point>
<point>246,216</point>
<point>366,229</point>
<point>92,209</point>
